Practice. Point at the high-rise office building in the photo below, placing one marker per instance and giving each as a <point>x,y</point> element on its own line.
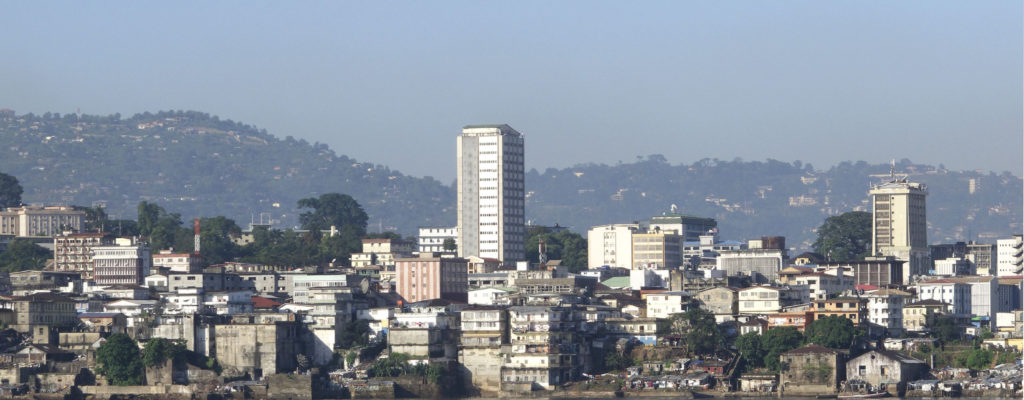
<point>899,226</point>
<point>491,203</point>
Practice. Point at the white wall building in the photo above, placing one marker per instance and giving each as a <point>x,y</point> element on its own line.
<point>127,262</point>
<point>885,308</point>
<point>956,294</point>
<point>611,245</point>
<point>954,266</point>
<point>664,304</point>
<point>431,238</point>
<point>491,194</point>
<point>762,264</point>
<point>1009,256</point>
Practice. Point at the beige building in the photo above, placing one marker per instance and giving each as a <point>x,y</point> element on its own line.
<point>429,277</point>
<point>72,252</point>
<point>40,221</point>
<point>810,370</point>
<point>483,331</point>
<point>918,316</point>
<point>381,252</point>
<point>899,225</point>
<point>178,262</point>
<point>657,250</point>
<point>720,300</point>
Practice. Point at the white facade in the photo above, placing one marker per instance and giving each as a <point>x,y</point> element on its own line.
<point>1009,256</point>
<point>821,285</point>
<point>664,304</point>
<point>489,296</point>
<point>956,294</point>
<point>491,193</point>
<point>431,238</point>
<point>885,308</point>
<point>36,221</point>
<point>128,262</point>
<point>611,245</point>
<point>954,266</point>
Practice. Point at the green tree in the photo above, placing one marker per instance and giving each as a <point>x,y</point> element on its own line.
<point>977,359</point>
<point>777,341</point>
<point>95,218</point>
<point>354,333</point>
<point>163,230</point>
<point>945,329</point>
<point>118,359</point>
<point>332,209</point>
<point>563,245</point>
<point>449,245</point>
<point>845,237</point>
<point>22,254</point>
<point>10,191</point>
<point>834,332</point>
<point>749,347</point>
<point>614,361</point>
<point>159,350</point>
<point>698,328</point>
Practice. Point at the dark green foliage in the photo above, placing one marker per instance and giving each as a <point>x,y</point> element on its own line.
<point>977,359</point>
<point>777,341</point>
<point>96,219</point>
<point>749,347</point>
<point>834,332</point>
<point>564,245</point>
<point>699,330</point>
<point>118,359</point>
<point>845,237</point>
<point>354,333</point>
<point>163,230</point>
<point>449,245</point>
<point>159,350</point>
<point>10,191</point>
<point>945,329</point>
<point>332,209</point>
<point>614,361</point>
<point>22,254</point>
<point>397,364</point>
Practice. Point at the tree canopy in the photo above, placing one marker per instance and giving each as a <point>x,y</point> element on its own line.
<point>845,237</point>
<point>10,191</point>
<point>118,359</point>
<point>159,350</point>
<point>834,332</point>
<point>699,330</point>
<point>22,254</point>
<point>570,247</point>
<point>332,209</point>
<point>777,341</point>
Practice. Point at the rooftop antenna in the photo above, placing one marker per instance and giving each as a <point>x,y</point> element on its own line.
<point>196,244</point>
<point>892,170</point>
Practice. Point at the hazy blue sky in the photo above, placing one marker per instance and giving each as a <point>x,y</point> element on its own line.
<point>586,81</point>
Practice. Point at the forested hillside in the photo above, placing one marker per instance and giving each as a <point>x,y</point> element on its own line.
<point>198,165</point>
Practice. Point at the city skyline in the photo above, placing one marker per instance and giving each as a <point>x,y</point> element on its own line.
<point>787,81</point>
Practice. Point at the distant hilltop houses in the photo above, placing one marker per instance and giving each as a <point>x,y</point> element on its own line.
<point>670,305</point>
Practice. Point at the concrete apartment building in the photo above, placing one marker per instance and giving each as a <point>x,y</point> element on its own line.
<point>1009,256</point>
<point>128,261</point>
<point>381,252</point>
<point>491,194</point>
<point>611,245</point>
<point>899,225</point>
<point>546,350</point>
<point>687,226</point>
<point>177,262</point>
<point>431,238</point>
<point>657,250</point>
<point>484,330</point>
<point>72,252</point>
<point>885,309</point>
<point>762,265</point>
<point>40,221</point>
<point>431,277</point>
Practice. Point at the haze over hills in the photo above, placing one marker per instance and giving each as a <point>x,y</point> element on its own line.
<point>198,165</point>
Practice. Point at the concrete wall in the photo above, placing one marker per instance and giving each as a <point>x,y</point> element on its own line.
<point>258,349</point>
<point>481,367</point>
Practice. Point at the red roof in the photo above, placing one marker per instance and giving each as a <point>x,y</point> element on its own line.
<point>263,302</point>
<point>866,287</point>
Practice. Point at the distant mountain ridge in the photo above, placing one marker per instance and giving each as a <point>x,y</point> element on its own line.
<point>198,165</point>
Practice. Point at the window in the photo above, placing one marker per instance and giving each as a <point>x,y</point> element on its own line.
<point>862,370</point>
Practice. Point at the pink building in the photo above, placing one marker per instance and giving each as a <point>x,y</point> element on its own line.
<point>429,277</point>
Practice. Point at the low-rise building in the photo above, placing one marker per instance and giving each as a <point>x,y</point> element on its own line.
<point>882,368</point>
<point>919,315</point>
<point>852,308</point>
<point>766,299</point>
<point>810,370</point>
<point>719,300</point>
<point>665,304</point>
<point>885,309</point>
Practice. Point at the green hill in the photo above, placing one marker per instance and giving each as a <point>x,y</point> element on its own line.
<point>198,165</point>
